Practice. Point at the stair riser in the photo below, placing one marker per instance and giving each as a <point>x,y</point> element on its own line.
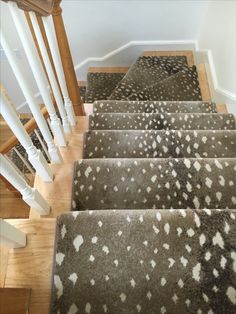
<point>120,121</point>
<point>154,183</point>
<point>147,71</point>
<point>101,85</point>
<point>153,107</point>
<point>159,144</point>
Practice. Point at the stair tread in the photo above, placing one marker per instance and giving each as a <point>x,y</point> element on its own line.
<point>154,183</point>
<point>131,260</point>
<point>147,71</point>
<point>183,85</point>
<point>160,144</point>
<point>113,106</point>
<point>101,84</point>
<point>194,121</point>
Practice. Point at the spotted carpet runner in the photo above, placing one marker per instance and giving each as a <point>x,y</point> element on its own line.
<point>145,261</point>
<point>152,227</point>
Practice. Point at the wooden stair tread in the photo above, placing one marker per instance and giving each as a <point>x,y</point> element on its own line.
<point>203,82</point>
<point>108,69</point>
<point>58,192</point>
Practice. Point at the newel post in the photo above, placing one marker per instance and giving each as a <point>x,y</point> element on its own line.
<point>66,58</point>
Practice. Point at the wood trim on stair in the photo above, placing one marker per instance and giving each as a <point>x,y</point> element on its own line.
<point>187,53</point>
<point>108,69</point>
<point>222,108</point>
<point>203,82</point>
<point>3,264</point>
<point>82,83</point>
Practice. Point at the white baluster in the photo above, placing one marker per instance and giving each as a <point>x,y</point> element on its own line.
<point>35,157</point>
<point>30,195</point>
<point>34,107</point>
<point>50,72</point>
<point>11,236</point>
<point>59,68</point>
<point>38,72</point>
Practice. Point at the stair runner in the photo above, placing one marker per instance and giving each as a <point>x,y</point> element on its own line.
<point>159,144</point>
<point>153,221</point>
<point>154,107</point>
<point>100,85</point>
<point>145,261</point>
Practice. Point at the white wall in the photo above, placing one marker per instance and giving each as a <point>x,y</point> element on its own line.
<point>97,27</point>
<point>218,34</point>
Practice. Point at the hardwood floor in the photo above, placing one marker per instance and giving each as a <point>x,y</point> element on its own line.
<point>3,264</point>
<point>11,204</point>
<point>31,267</point>
<point>14,300</point>
<point>108,69</point>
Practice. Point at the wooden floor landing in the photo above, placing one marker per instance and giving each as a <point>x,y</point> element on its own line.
<point>31,267</point>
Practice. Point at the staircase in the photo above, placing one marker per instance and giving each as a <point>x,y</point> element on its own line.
<point>152,223</point>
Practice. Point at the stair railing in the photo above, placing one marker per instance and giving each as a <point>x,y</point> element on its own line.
<point>11,175</point>
<point>49,57</point>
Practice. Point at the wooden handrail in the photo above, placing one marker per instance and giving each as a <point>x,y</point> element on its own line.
<point>30,126</point>
<point>42,7</point>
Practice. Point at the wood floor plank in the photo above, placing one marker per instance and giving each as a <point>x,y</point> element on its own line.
<point>3,264</point>
<point>203,82</point>
<point>11,204</point>
<point>58,192</point>
<point>14,301</point>
<point>221,108</point>
<point>31,267</point>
